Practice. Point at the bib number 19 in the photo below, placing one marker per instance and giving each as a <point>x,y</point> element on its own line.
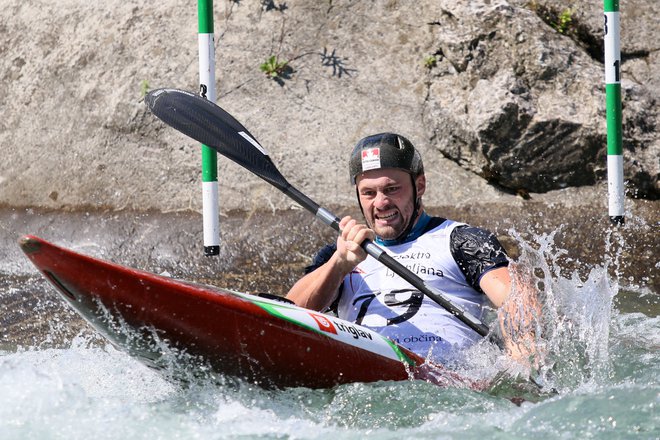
<point>396,300</point>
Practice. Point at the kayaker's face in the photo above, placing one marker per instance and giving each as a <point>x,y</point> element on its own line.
<point>386,197</point>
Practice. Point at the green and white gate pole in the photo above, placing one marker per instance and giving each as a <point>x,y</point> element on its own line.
<point>210,211</point>
<point>613,99</point>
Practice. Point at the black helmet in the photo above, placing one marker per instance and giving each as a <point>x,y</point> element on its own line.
<point>385,150</point>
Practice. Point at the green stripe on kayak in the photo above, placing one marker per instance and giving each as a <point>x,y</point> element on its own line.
<point>273,310</point>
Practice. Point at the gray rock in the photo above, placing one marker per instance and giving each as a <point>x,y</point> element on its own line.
<point>521,104</point>
<point>510,99</point>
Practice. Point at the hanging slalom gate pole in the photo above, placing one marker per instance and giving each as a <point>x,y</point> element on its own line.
<point>209,156</point>
<point>613,99</point>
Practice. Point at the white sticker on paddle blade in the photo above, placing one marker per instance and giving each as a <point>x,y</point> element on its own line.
<point>251,140</point>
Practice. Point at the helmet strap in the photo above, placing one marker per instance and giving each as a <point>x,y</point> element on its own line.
<point>357,194</point>
<point>416,211</point>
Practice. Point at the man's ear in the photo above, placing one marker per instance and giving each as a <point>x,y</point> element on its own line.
<point>420,181</point>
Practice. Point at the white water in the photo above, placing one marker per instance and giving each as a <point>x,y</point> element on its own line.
<point>603,363</point>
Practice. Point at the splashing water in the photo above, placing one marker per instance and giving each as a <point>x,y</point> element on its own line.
<point>602,364</point>
<point>576,316</point>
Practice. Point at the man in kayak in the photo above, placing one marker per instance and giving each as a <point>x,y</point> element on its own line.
<point>467,264</point>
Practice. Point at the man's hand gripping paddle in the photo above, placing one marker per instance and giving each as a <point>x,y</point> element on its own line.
<point>207,123</point>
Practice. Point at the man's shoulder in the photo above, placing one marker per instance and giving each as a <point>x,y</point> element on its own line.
<point>476,251</point>
<point>441,225</point>
<point>322,256</point>
<point>463,233</point>
<point>434,222</point>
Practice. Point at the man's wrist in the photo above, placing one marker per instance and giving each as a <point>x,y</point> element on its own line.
<point>341,266</point>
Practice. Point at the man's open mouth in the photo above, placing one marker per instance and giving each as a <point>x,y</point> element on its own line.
<point>387,217</point>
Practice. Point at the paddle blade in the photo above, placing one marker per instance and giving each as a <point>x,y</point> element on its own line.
<point>207,123</point>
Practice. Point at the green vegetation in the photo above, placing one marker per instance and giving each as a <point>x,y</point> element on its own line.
<point>563,21</point>
<point>430,61</point>
<point>274,68</point>
<point>144,88</point>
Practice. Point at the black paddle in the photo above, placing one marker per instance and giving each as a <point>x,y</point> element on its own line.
<point>207,123</point>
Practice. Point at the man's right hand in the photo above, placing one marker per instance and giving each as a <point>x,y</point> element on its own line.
<point>349,249</point>
<point>318,289</point>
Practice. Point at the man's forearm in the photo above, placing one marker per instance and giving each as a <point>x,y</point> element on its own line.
<point>318,289</point>
<point>519,322</point>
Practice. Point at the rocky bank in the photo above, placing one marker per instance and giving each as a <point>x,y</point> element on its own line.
<point>499,95</point>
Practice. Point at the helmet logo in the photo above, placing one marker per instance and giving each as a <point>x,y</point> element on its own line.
<point>370,159</point>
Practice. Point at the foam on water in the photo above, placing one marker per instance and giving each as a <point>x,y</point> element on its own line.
<point>86,391</point>
<point>75,391</point>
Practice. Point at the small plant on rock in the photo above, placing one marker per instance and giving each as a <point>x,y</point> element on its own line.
<point>564,21</point>
<point>430,61</point>
<point>144,88</point>
<point>273,68</point>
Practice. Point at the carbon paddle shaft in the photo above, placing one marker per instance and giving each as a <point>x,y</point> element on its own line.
<point>209,124</point>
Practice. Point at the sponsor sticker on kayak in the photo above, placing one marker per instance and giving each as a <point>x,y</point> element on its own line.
<point>335,328</point>
<point>324,323</point>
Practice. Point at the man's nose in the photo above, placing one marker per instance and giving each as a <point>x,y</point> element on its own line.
<point>381,200</point>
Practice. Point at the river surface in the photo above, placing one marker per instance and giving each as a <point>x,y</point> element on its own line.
<point>60,380</point>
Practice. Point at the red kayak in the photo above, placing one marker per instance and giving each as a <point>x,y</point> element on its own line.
<point>265,341</point>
